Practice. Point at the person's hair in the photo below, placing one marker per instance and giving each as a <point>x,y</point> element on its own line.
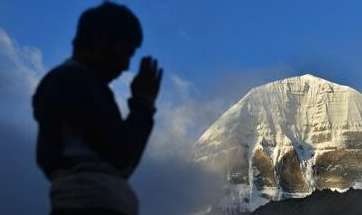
<point>107,23</point>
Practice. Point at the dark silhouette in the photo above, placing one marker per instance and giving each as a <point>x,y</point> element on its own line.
<point>84,147</point>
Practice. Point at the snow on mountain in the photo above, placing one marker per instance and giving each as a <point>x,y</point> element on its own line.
<point>284,140</point>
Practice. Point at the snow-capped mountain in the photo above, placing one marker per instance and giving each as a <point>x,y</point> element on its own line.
<point>284,140</point>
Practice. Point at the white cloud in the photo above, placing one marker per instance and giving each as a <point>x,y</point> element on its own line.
<point>20,68</point>
<point>180,119</point>
<point>182,86</point>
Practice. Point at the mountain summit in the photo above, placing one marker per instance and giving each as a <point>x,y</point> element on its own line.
<point>286,139</point>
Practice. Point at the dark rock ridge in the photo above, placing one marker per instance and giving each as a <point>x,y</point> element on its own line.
<point>324,202</point>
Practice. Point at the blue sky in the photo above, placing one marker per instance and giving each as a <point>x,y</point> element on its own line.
<point>212,53</point>
<point>203,39</point>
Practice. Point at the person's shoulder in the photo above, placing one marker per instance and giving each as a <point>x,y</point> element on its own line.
<point>67,73</point>
<point>62,76</point>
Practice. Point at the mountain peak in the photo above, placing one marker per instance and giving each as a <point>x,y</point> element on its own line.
<point>309,76</point>
<point>305,78</point>
<point>300,84</point>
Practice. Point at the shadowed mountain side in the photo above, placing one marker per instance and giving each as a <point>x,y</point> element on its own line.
<point>319,203</point>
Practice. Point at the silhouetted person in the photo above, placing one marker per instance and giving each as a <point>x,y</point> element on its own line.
<point>84,147</point>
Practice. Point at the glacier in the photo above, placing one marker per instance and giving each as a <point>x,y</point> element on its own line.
<point>285,139</point>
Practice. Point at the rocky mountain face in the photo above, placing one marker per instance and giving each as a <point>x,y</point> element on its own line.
<point>283,140</point>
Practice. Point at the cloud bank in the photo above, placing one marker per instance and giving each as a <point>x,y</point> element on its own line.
<point>20,181</point>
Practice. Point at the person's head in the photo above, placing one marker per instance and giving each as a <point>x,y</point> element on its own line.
<point>107,37</point>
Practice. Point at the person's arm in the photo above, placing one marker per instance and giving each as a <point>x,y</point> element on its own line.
<point>137,129</point>
<point>94,113</point>
<point>45,104</point>
<point>145,88</point>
